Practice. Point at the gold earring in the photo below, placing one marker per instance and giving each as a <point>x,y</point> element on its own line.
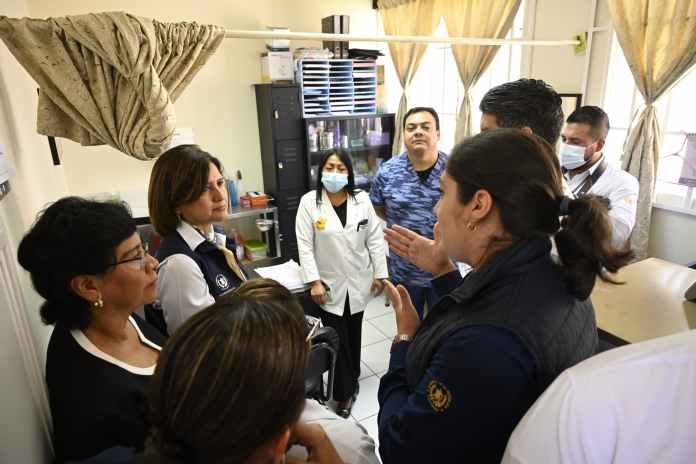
<point>472,227</point>
<point>99,303</point>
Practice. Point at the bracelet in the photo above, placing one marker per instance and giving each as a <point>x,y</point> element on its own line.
<point>399,338</point>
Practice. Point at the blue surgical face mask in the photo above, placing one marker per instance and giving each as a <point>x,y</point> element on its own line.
<point>572,156</point>
<point>334,181</point>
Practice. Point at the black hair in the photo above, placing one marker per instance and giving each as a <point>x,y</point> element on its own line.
<point>345,159</point>
<point>73,236</point>
<point>594,116</point>
<point>526,102</point>
<point>421,109</point>
<point>522,174</point>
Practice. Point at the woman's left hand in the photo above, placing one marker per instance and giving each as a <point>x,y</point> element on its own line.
<point>377,286</point>
<point>407,320</point>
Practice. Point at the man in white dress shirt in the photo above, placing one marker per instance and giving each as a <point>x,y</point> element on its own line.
<point>634,404</point>
<point>589,173</point>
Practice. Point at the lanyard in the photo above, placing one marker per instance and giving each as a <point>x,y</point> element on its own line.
<point>582,189</point>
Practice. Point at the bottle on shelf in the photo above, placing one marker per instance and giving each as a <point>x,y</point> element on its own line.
<point>239,187</point>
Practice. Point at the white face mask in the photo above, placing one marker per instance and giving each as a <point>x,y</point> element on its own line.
<point>572,156</point>
<point>334,181</point>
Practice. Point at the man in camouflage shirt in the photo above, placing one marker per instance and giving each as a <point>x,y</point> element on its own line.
<point>405,192</point>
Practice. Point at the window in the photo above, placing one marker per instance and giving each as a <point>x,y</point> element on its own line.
<point>437,83</point>
<point>675,113</point>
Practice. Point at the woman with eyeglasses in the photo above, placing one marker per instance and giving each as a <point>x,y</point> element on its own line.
<point>86,260</point>
<point>187,196</point>
<point>341,250</point>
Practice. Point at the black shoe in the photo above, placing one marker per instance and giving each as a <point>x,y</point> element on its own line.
<point>343,408</point>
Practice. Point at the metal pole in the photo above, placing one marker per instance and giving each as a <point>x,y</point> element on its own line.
<point>237,34</point>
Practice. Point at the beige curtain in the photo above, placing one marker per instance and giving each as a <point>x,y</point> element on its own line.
<point>475,18</point>
<point>407,17</point>
<point>110,78</point>
<point>658,38</point>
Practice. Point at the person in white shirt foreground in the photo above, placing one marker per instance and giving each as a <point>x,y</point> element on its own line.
<point>633,404</point>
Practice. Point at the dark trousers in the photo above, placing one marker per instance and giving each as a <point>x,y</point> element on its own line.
<point>349,330</point>
<point>420,296</point>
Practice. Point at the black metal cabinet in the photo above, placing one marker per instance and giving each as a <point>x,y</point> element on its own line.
<point>291,148</point>
<point>282,137</point>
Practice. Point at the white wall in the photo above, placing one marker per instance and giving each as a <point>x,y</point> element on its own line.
<point>219,104</point>
<point>24,338</point>
<point>558,66</point>
<point>38,182</point>
<point>672,236</point>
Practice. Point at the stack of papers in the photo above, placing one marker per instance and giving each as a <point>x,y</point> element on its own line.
<point>288,274</point>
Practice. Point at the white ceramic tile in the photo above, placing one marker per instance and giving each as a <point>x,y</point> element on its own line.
<point>376,356</point>
<point>386,324</point>
<point>365,371</point>
<point>367,405</point>
<point>370,334</point>
<point>372,428</point>
<point>380,374</point>
<point>376,308</point>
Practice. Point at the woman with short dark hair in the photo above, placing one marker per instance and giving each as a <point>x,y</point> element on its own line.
<point>86,260</point>
<point>459,382</point>
<point>187,196</point>
<point>229,387</point>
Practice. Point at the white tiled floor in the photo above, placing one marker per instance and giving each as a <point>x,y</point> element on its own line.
<point>379,327</point>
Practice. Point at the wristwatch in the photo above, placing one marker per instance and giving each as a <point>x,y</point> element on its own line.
<point>400,338</point>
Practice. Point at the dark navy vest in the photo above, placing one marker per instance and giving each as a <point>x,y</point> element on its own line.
<point>520,289</point>
<point>217,273</point>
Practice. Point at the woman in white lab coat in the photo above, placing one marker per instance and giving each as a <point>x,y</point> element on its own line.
<point>342,254</point>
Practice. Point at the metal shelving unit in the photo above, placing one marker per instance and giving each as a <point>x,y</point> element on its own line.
<point>263,211</point>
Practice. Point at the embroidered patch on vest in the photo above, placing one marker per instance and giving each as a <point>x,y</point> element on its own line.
<point>222,281</point>
<point>439,396</point>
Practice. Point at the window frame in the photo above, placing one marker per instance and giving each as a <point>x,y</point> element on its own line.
<point>663,113</point>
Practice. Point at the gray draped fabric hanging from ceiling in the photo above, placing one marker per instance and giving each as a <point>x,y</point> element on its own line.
<point>110,78</point>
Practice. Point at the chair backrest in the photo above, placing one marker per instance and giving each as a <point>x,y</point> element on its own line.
<point>155,317</point>
<point>322,358</point>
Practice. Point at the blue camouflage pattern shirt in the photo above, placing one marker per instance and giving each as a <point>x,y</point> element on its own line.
<point>408,202</point>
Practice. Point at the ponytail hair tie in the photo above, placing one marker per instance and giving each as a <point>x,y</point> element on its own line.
<point>564,206</point>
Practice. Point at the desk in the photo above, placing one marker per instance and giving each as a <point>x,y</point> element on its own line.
<point>650,304</point>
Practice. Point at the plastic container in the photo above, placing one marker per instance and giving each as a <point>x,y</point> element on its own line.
<point>255,249</point>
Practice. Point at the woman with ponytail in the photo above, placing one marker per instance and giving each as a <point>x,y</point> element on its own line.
<point>459,382</point>
<point>86,260</point>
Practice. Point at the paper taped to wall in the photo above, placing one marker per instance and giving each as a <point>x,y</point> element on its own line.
<point>6,169</point>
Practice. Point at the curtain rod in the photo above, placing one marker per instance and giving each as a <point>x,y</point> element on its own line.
<point>237,34</point>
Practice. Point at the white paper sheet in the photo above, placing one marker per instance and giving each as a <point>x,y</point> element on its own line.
<point>287,274</point>
<point>6,169</point>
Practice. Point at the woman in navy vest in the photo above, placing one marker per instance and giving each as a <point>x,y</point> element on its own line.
<point>187,195</point>
<point>459,382</point>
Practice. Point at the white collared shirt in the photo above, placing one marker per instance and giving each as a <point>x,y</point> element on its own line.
<point>621,188</point>
<point>181,286</point>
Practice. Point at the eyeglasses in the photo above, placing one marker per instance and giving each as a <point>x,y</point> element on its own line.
<point>146,247</point>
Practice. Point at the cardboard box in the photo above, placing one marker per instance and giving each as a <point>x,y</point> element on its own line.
<point>276,66</point>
